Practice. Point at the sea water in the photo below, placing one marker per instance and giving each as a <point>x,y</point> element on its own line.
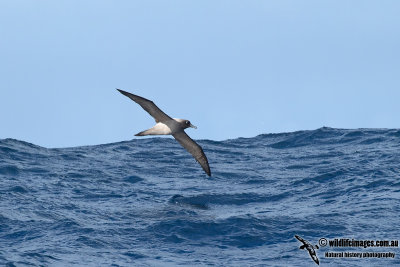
<point>146,202</point>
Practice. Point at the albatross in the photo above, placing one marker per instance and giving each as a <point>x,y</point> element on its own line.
<point>165,125</point>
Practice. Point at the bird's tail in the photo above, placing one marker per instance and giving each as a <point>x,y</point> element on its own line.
<point>150,131</point>
<point>143,133</point>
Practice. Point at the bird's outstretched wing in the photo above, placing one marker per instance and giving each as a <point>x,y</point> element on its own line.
<point>149,106</point>
<point>194,149</point>
<point>314,256</point>
<point>302,240</point>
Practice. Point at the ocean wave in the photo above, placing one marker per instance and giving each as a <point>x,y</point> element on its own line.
<point>146,202</point>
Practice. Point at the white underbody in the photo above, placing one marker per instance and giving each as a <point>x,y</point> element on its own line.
<point>169,127</point>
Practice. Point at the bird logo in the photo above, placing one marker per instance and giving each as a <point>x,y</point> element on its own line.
<point>309,247</point>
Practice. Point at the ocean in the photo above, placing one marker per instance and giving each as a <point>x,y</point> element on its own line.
<point>147,202</point>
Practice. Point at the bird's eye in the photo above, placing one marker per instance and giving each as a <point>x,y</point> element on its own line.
<point>188,122</point>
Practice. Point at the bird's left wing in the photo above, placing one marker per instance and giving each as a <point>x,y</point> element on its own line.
<point>148,105</point>
<point>194,149</point>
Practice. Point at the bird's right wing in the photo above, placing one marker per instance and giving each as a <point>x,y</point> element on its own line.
<point>194,149</point>
<point>314,257</point>
<point>149,106</point>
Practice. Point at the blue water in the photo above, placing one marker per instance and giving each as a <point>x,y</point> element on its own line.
<point>146,202</point>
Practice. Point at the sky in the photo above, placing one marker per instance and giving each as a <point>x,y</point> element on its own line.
<point>233,68</point>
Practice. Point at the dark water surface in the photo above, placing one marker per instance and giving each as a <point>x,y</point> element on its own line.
<point>146,202</point>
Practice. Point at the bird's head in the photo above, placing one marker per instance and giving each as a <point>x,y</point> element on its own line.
<point>187,124</point>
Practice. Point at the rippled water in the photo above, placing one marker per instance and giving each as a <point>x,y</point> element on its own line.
<point>146,202</point>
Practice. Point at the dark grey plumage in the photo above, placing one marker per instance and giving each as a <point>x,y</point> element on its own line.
<point>148,105</point>
<point>168,125</point>
<point>194,149</point>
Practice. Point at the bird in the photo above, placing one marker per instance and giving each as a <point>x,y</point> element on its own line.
<point>165,125</point>
<point>310,248</point>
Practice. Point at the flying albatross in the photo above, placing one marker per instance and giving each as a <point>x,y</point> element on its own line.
<point>165,125</point>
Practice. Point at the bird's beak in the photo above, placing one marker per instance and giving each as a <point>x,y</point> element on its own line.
<point>192,126</point>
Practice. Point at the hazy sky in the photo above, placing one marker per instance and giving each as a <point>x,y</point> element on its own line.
<point>234,68</point>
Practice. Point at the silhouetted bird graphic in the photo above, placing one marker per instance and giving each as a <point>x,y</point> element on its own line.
<point>309,247</point>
